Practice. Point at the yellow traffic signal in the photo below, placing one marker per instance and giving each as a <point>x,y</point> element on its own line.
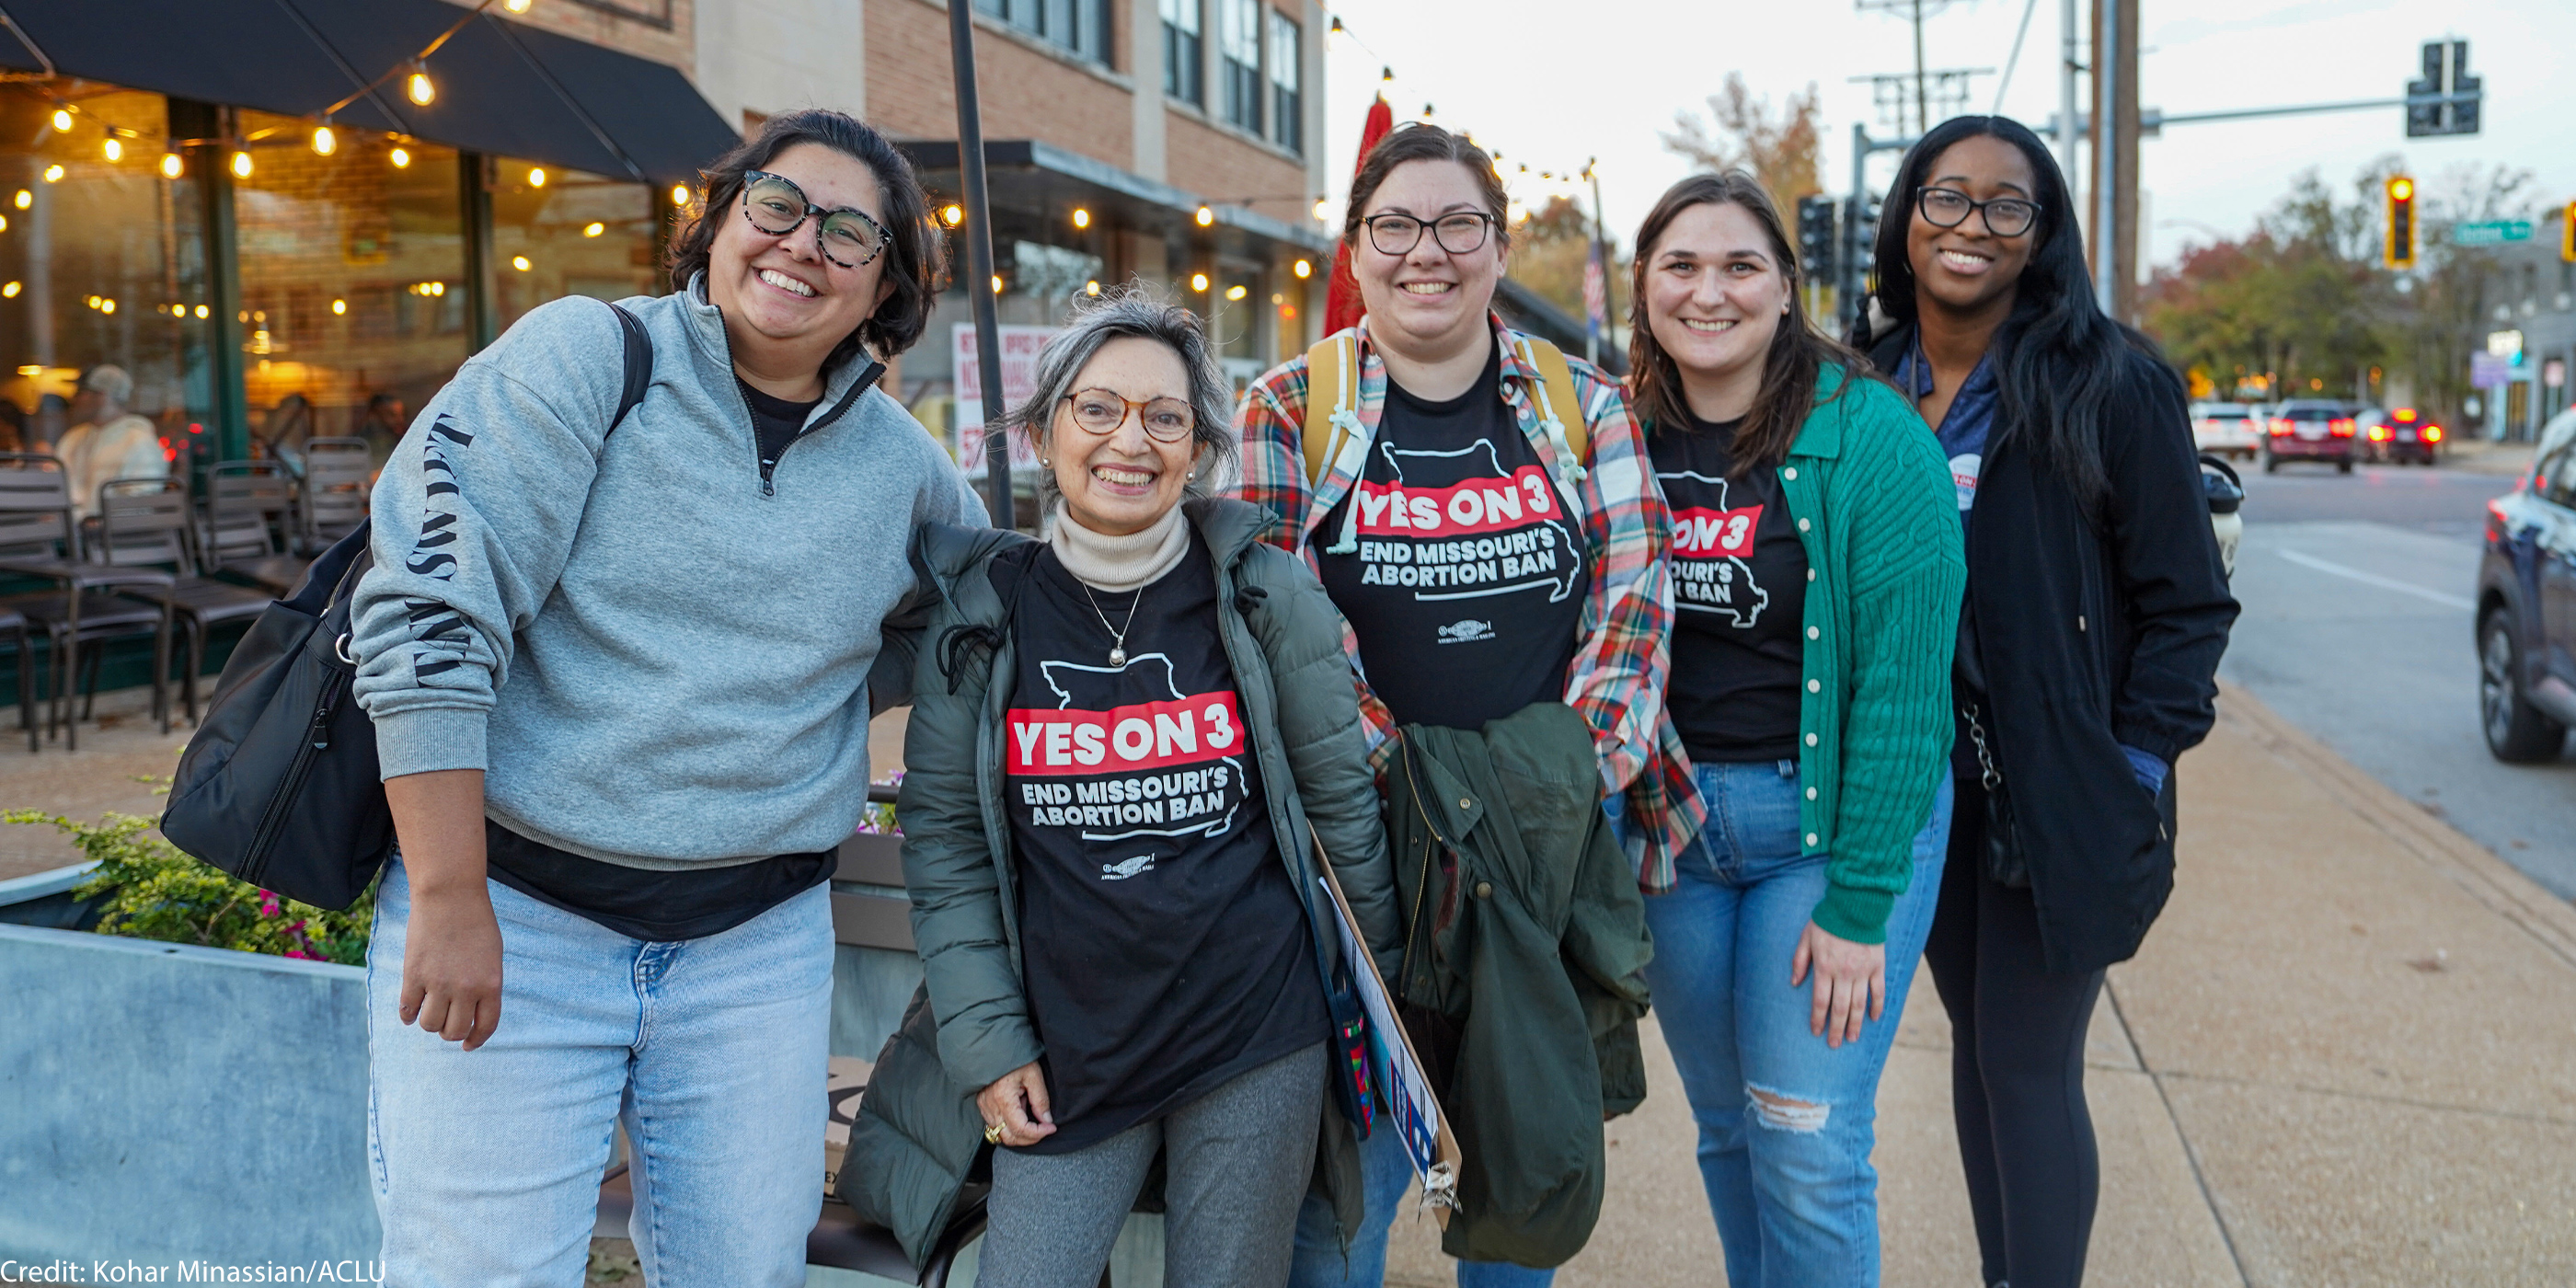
<point>2567,233</point>
<point>2400,250</point>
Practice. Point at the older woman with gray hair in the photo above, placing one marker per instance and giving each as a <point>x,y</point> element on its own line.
<point>1129,745</point>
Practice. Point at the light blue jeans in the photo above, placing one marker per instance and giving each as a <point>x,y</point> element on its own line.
<point>1785,1122</point>
<point>711,1051</point>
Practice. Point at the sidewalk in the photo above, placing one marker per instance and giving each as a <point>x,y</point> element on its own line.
<point>2346,1056</point>
<point>2483,456</point>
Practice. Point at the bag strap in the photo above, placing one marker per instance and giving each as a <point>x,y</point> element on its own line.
<point>1555,389</point>
<point>1332,365</point>
<point>639,365</point>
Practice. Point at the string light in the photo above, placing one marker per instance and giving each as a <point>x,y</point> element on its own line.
<point>1322,205</point>
<point>1303,268</point>
<point>680,195</point>
<point>53,174</point>
<point>4,223</point>
<point>62,120</point>
<point>171,166</point>
<point>9,292</point>
<point>112,149</point>
<point>518,6</point>
<point>593,228</point>
<point>201,312</point>
<point>1235,292</point>
<point>1091,287</point>
<point>324,141</point>
<point>24,199</point>
<point>1198,282</point>
<point>1081,217</point>
<point>536,176</point>
<point>241,165</point>
<point>401,157</point>
<point>519,262</point>
<point>107,306</point>
<point>997,283</point>
<point>419,87</point>
<point>952,215</point>
<point>339,308</point>
<point>1206,216</point>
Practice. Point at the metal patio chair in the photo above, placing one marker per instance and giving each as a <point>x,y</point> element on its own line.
<point>335,489</point>
<point>148,522</point>
<point>251,525</point>
<point>40,538</point>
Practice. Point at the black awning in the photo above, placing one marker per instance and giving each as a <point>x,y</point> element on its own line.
<point>503,88</point>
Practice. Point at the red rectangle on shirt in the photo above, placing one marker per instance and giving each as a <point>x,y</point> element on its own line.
<point>1151,735</point>
<point>1463,509</point>
<point>1711,534</point>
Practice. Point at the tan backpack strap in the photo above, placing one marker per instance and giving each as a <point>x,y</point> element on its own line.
<point>1560,410</point>
<point>1332,402</point>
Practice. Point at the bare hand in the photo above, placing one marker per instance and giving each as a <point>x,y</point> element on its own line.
<point>1847,976</point>
<point>452,967</point>
<point>1018,1102</point>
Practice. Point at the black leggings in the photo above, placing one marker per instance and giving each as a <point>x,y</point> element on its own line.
<point>2016,1068</point>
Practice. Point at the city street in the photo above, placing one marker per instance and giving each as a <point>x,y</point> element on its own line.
<point>2358,628</point>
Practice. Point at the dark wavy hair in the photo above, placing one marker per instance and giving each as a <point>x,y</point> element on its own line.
<point>1790,368</point>
<point>2058,359</point>
<point>916,254</point>
<point>1420,141</point>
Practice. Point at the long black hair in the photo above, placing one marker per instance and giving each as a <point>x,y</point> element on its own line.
<point>916,256</point>
<point>2058,359</point>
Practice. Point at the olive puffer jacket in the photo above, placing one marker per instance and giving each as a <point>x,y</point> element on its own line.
<point>918,1136</point>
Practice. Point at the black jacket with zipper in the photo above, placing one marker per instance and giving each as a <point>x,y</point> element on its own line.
<point>2094,631</point>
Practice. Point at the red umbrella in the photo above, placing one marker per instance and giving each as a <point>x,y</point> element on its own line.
<point>1342,306</point>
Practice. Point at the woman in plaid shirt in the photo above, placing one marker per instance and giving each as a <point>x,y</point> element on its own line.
<point>1478,565</point>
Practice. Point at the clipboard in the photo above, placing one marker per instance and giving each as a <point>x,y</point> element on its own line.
<point>1413,1108</point>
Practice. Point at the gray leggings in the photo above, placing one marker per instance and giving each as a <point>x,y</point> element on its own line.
<point>1236,1165</point>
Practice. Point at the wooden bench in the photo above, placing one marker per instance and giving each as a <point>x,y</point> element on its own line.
<point>865,918</point>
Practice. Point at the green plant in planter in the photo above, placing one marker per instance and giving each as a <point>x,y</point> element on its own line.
<point>153,891</point>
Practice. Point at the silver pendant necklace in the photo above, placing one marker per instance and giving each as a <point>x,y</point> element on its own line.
<point>1118,634</point>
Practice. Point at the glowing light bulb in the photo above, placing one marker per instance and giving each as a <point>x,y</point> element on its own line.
<point>53,174</point>
<point>593,228</point>
<point>9,292</point>
<point>324,141</point>
<point>1091,287</point>
<point>1235,292</point>
<point>401,157</point>
<point>339,308</point>
<point>419,87</point>
<point>536,176</point>
<point>4,223</point>
<point>63,120</point>
<point>1321,205</point>
<point>107,306</point>
<point>241,165</point>
<point>112,148</point>
<point>1303,268</point>
<point>201,312</point>
<point>519,262</point>
<point>518,6</point>
<point>1081,218</point>
<point>680,195</point>
<point>1198,282</point>
<point>1206,216</point>
<point>24,199</point>
<point>171,166</point>
<point>952,215</point>
<point>997,283</point>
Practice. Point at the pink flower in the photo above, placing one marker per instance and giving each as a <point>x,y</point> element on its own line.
<point>267,904</point>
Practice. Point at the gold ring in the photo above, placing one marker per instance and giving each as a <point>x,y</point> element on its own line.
<point>992,1133</point>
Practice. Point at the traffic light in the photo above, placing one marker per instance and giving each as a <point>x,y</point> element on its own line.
<point>2400,252</point>
<point>1816,237</point>
<point>2567,233</point>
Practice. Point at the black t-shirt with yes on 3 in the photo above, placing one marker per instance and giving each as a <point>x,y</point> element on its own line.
<point>1468,585</point>
<point>1165,949</point>
<point>1739,599</point>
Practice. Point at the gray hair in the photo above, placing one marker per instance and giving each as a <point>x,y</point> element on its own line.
<point>1134,310</point>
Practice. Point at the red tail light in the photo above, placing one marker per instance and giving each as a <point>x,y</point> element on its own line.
<point>2280,427</point>
<point>2432,433</point>
<point>2405,415</point>
<point>2341,428</point>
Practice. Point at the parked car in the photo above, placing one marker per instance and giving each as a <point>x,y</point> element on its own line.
<point>2310,429</point>
<point>2527,606</point>
<point>2228,429</point>
<point>2400,436</point>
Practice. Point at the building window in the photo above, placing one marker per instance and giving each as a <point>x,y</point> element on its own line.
<point>572,234</point>
<point>101,261</point>
<point>353,284</point>
<point>1238,39</point>
<point>1182,59</point>
<point>1287,112</point>
<point>1081,26</point>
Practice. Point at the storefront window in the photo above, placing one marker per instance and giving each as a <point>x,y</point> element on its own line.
<point>353,283</point>
<point>100,262</point>
<point>561,232</point>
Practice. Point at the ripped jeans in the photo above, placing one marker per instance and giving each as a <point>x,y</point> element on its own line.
<point>1785,1123</point>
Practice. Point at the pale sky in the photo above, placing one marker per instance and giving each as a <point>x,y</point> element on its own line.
<point>1554,82</point>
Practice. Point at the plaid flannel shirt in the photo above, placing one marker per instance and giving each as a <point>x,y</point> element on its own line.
<point>1616,679</point>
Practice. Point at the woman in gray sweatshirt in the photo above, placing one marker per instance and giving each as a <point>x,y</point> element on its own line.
<point>619,684</point>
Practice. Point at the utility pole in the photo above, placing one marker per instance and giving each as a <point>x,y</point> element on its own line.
<point>2115,156</point>
<point>1922,93</point>
<point>1601,248</point>
<point>979,261</point>
<point>2067,66</point>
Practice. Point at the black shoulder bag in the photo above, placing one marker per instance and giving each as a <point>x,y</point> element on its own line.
<point>280,785</point>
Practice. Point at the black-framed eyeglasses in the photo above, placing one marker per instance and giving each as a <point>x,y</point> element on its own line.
<point>775,205</point>
<point>1459,234</point>
<point>1102,411</point>
<point>1949,208</point>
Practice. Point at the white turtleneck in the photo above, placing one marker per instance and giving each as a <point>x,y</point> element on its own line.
<point>1119,563</point>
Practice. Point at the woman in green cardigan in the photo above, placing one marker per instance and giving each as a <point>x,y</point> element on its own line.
<point>1806,732</point>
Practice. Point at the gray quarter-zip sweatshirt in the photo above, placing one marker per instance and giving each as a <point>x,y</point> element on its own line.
<point>659,656</point>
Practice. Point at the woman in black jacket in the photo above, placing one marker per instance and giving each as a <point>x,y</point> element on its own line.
<point>2096,613</point>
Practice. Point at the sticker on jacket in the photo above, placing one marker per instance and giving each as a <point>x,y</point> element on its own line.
<point>1712,549</point>
<point>1457,525</point>
<point>1167,767</point>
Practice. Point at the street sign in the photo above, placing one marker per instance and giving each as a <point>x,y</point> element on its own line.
<point>2491,232</point>
<point>2488,371</point>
